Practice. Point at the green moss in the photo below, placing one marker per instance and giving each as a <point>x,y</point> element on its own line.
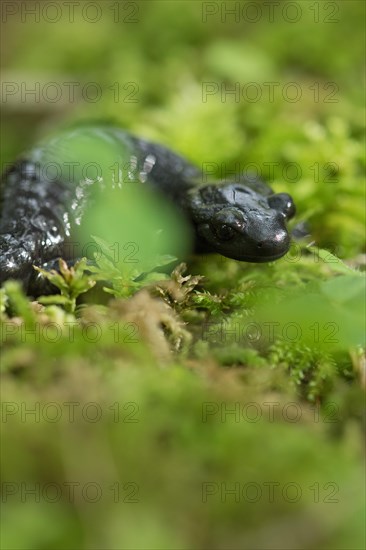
<point>221,376</point>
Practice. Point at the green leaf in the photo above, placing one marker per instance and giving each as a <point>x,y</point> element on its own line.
<point>335,263</point>
<point>136,229</point>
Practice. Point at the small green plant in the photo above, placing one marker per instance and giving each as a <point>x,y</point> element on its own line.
<point>71,282</point>
<point>127,278</point>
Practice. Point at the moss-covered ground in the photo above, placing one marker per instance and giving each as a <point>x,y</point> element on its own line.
<point>220,405</point>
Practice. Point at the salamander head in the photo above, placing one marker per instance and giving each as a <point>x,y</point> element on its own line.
<point>240,223</point>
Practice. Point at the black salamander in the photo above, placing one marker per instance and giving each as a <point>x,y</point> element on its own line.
<point>41,211</point>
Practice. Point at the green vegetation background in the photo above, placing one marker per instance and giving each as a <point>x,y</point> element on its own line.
<point>164,447</point>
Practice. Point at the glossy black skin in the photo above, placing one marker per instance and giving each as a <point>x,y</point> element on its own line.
<point>242,220</point>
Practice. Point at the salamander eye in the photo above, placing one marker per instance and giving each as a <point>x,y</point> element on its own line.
<point>282,202</point>
<point>224,232</point>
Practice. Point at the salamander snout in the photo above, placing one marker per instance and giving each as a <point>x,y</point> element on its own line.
<point>274,247</point>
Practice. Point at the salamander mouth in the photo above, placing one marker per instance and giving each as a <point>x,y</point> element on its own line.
<point>262,260</point>
<point>259,259</point>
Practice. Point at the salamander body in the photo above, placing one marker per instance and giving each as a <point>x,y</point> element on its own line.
<point>46,193</point>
